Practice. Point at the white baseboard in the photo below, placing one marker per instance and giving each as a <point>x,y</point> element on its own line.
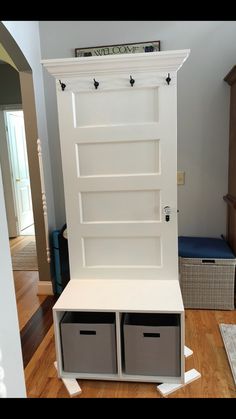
<point>45,288</point>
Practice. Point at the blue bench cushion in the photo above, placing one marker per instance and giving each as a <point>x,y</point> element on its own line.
<point>204,247</point>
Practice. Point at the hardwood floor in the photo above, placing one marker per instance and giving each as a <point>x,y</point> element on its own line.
<point>26,295</point>
<point>26,283</point>
<point>209,358</point>
<point>202,336</point>
<point>36,328</point>
<point>34,311</point>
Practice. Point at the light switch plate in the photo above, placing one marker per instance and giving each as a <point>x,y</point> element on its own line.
<point>180,178</point>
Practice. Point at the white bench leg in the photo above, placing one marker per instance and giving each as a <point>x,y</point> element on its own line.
<point>187,352</point>
<point>71,385</point>
<point>189,376</point>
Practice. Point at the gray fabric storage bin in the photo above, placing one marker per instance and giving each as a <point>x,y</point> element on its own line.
<point>152,344</point>
<point>88,342</point>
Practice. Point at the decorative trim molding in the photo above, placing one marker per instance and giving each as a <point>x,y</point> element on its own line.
<point>45,288</point>
<point>161,61</point>
<point>44,200</point>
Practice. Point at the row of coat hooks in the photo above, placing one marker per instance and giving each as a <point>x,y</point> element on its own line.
<point>96,83</point>
<point>131,80</point>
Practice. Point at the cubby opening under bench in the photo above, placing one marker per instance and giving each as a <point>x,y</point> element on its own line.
<point>123,330</point>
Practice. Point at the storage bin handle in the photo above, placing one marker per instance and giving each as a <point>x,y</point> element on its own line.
<point>208,261</point>
<point>151,335</point>
<point>87,332</point>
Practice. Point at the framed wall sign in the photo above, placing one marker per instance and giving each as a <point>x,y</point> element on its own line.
<point>118,49</point>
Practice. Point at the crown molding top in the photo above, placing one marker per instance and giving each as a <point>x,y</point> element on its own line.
<point>161,61</point>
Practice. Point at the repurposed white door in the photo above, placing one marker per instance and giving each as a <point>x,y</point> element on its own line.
<point>118,145</point>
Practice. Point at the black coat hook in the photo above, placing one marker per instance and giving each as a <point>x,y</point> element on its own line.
<point>96,84</point>
<point>132,81</point>
<point>168,79</point>
<point>63,85</point>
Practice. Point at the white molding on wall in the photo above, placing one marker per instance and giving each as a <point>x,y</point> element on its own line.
<point>165,61</point>
<point>45,288</point>
<point>44,200</point>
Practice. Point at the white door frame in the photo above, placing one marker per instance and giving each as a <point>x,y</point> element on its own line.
<point>4,109</point>
<point>13,108</point>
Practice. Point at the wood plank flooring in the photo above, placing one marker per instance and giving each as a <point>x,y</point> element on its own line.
<point>26,285</point>
<point>209,358</point>
<point>36,328</point>
<point>34,311</point>
<point>202,336</point>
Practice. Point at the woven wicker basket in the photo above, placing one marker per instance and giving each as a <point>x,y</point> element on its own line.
<point>207,283</point>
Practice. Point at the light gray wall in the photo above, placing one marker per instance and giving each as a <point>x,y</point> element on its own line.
<point>12,383</point>
<point>203,105</point>
<point>10,85</point>
<point>26,34</point>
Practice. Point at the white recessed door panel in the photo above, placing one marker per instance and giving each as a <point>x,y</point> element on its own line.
<point>119,168</point>
<point>118,158</point>
<point>122,252</point>
<point>120,206</point>
<point>109,107</point>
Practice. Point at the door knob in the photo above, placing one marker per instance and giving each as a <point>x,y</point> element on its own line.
<point>17,180</point>
<point>167,211</point>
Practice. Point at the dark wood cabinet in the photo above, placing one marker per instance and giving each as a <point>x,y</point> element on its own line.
<point>230,198</point>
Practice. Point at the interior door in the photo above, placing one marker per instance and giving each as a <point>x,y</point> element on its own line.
<point>20,169</point>
<point>118,146</point>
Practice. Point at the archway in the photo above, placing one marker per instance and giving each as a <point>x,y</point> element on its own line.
<point>15,57</point>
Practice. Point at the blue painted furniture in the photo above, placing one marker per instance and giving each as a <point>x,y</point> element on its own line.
<point>61,261</point>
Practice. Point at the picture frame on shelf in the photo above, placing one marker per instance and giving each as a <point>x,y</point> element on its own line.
<point>130,48</point>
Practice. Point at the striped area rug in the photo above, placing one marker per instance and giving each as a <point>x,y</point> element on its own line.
<point>25,259</point>
<point>228,333</point>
